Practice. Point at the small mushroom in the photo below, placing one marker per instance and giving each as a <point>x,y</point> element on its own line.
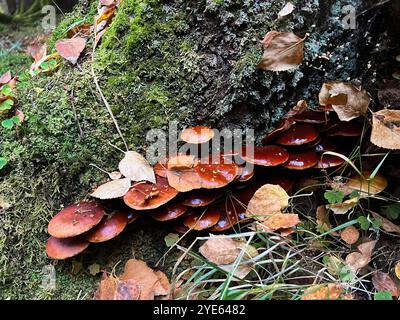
<point>65,248</point>
<point>110,227</point>
<point>302,160</point>
<point>76,219</point>
<point>329,161</point>
<point>170,212</point>
<point>148,196</point>
<point>268,156</point>
<point>298,135</point>
<point>310,116</point>
<point>197,135</point>
<point>201,198</point>
<point>202,220</point>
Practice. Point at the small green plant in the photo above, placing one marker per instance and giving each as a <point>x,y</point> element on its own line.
<point>365,223</point>
<point>391,211</point>
<point>334,196</point>
<point>383,295</point>
<point>3,162</point>
<point>9,123</point>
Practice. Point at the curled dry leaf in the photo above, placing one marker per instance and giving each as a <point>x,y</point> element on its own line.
<point>387,225</point>
<point>286,10</point>
<point>348,101</point>
<point>343,208</point>
<point>268,200</point>
<point>136,168</point>
<point>360,259</point>
<point>112,189</point>
<point>331,291</point>
<point>364,186</point>
<point>323,222</point>
<point>71,49</point>
<point>282,51</point>
<point>386,129</point>
<point>350,235</point>
<point>82,30</point>
<point>279,221</point>
<point>112,288</point>
<point>383,282</point>
<point>221,251</point>
<point>5,78</point>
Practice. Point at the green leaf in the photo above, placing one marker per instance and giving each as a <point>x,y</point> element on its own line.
<point>6,90</point>
<point>376,223</point>
<point>346,273</point>
<point>6,105</point>
<point>354,194</point>
<point>364,223</point>
<point>16,120</point>
<point>383,295</point>
<point>171,239</point>
<point>392,211</point>
<point>334,196</point>
<point>44,65</point>
<point>8,123</point>
<point>3,162</point>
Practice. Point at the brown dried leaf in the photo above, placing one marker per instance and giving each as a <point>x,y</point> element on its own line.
<point>144,276</point>
<point>348,101</point>
<point>127,290</point>
<point>343,208</point>
<point>220,250</point>
<point>322,216</point>
<point>162,287</point>
<point>268,200</point>
<point>350,235</point>
<point>387,225</point>
<point>136,168</point>
<point>365,187</point>
<point>37,51</point>
<point>397,270</point>
<point>106,288</point>
<point>112,189</point>
<point>360,259</point>
<point>331,291</point>
<point>386,129</point>
<point>286,10</point>
<point>71,49</point>
<point>82,30</point>
<point>383,282</point>
<point>280,221</point>
<point>5,78</point>
<point>282,51</point>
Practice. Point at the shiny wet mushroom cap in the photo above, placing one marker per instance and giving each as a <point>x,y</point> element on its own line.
<point>201,198</point>
<point>298,135</point>
<point>197,135</point>
<point>216,173</point>
<point>76,219</point>
<point>110,227</point>
<point>61,249</point>
<point>170,212</point>
<point>148,196</point>
<point>329,161</point>
<point>202,220</point>
<point>302,160</point>
<point>268,156</point>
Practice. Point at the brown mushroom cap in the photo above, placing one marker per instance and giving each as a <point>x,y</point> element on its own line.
<point>245,173</point>
<point>216,173</point>
<point>302,160</point>
<point>201,221</point>
<point>160,168</point>
<point>232,212</point>
<point>283,126</point>
<point>61,249</point>
<point>75,219</point>
<point>201,198</point>
<point>110,227</point>
<point>180,227</point>
<point>132,215</point>
<point>346,129</point>
<point>197,135</point>
<point>298,135</point>
<point>310,116</point>
<point>147,196</point>
<point>329,161</point>
<point>170,212</point>
<point>268,156</point>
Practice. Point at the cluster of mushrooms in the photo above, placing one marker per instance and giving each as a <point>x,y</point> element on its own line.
<point>194,195</point>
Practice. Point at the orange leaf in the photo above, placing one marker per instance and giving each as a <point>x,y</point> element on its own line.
<point>71,49</point>
<point>331,291</point>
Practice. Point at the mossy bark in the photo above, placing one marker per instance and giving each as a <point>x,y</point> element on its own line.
<point>189,61</point>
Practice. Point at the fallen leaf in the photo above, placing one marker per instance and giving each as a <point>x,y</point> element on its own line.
<point>37,51</point>
<point>366,187</point>
<point>144,276</point>
<point>220,250</point>
<point>279,221</point>
<point>5,78</point>
<point>94,269</point>
<point>106,288</point>
<point>282,51</point>
<point>360,259</point>
<point>71,49</point>
<point>127,290</point>
<point>386,129</point>
<point>171,239</point>
<point>82,30</point>
<point>323,222</point>
<point>350,235</point>
<point>344,207</point>
<point>331,291</point>
<point>286,10</point>
<point>397,270</point>
<point>348,101</point>
<point>135,167</point>
<point>383,282</point>
<point>387,225</point>
<point>112,189</point>
<point>115,175</point>
<point>163,286</point>
<point>268,200</point>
